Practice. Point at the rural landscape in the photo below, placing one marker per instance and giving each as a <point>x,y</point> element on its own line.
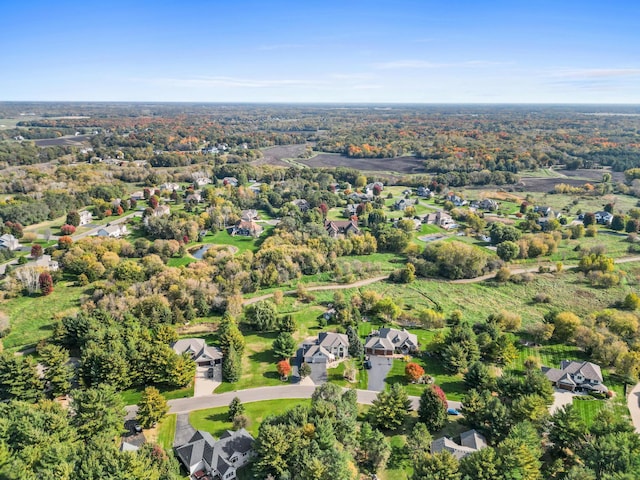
<point>450,296</point>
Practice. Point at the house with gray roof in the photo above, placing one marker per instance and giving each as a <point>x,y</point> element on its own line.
<point>388,341</point>
<point>470,441</point>
<point>199,351</point>
<point>205,457</point>
<point>9,242</point>
<point>580,376</point>
<point>113,231</point>
<point>328,348</point>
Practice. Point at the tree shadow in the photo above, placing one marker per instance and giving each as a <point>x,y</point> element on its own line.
<point>399,457</point>
<point>266,356</point>
<point>218,417</point>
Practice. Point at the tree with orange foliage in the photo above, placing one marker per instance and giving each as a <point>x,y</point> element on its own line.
<point>413,371</point>
<point>284,369</point>
<point>65,242</point>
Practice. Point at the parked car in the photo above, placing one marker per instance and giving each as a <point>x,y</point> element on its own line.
<point>452,411</point>
<point>210,372</point>
<point>367,364</point>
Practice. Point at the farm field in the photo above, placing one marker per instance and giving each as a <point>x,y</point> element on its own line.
<point>402,165</point>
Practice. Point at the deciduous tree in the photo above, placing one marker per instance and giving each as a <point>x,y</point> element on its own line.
<point>152,407</point>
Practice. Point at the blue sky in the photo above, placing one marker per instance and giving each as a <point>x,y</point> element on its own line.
<point>406,51</point>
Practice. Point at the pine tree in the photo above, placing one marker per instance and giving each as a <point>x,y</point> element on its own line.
<point>432,411</point>
<point>57,371</point>
<point>356,349</point>
<point>232,365</point>
<point>152,407</point>
<point>284,346</point>
<point>389,409</point>
<point>440,466</point>
<point>235,408</point>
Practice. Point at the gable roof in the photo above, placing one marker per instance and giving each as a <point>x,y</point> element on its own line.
<point>473,439</point>
<point>588,370</point>
<point>332,339</point>
<point>197,348</point>
<point>216,454</point>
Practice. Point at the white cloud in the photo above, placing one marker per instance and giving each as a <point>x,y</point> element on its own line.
<point>400,64</point>
<point>598,73</point>
<point>234,82</point>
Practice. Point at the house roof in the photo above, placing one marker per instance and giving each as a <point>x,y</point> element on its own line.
<point>203,447</point>
<point>332,339</point>
<point>398,337</point>
<point>319,350</point>
<point>588,370</point>
<point>377,343</point>
<point>473,439</point>
<point>197,348</point>
<point>444,443</point>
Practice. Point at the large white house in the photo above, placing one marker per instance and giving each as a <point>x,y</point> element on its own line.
<point>85,217</point>
<point>574,375</point>
<point>199,351</point>
<point>388,341</point>
<point>9,242</point>
<point>113,231</point>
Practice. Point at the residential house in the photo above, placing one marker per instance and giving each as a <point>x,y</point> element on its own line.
<point>207,458</point>
<point>542,211</point>
<point>424,192</point>
<point>46,263</point>
<point>488,204</point>
<point>572,375</point>
<point>9,242</point>
<point>255,187</point>
<point>351,210</point>
<point>247,228</point>
<point>249,215</point>
<point>137,195</point>
<point>113,231</point>
<point>470,441</point>
<point>202,181</point>
<point>455,199</point>
<point>402,204</point>
<point>328,348</point>
<point>194,197</point>
<point>172,187</point>
<point>199,351</point>
<point>302,204</point>
<point>441,219</point>
<point>85,217</point>
<point>159,211</point>
<point>604,218</point>
<point>406,191</point>
<point>341,227</point>
<point>233,181</point>
<point>388,341</point>
<point>369,189</point>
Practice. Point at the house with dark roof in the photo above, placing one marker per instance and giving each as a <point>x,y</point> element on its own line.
<point>205,457</point>
<point>199,351</point>
<point>580,376</point>
<point>470,441</point>
<point>328,348</point>
<point>441,219</point>
<point>402,204</point>
<point>302,204</point>
<point>424,192</point>
<point>341,227</point>
<point>603,218</point>
<point>388,341</point>
<point>249,215</point>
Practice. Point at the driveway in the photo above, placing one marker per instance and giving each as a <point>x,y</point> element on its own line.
<point>560,399</point>
<point>633,400</point>
<point>380,367</point>
<point>318,370</point>
<point>184,430</point>
<point>203,384</point>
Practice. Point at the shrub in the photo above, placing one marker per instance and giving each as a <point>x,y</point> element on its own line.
<point>503,275</point>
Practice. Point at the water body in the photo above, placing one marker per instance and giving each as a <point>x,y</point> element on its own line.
<point>199,253</point>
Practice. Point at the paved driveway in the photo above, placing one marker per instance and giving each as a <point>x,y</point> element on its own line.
<point>560,399</point>
<point>205,385</point>
<point>184,430</point>
<point>380,367</point>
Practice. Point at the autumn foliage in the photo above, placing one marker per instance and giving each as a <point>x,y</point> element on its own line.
<point>36,251</point>
<point>413,371</point>
<point>284,369</point>
<point>65,242</point>
<point>68,229</point>
<point>438,391</point>
<point>46,283</point>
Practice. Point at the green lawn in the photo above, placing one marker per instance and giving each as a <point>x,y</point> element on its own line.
<point>335,375</point>
<point>166,431</point>
<point>214,420</point>
<point>132,396</point>
<point>452,385</point>
<point>588,409</point>
<point>241,243</point>
<point>32,317</point>
<point>548,355</point>
<point>178,262</point>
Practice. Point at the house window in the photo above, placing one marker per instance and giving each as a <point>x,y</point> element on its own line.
<point>234,459</point>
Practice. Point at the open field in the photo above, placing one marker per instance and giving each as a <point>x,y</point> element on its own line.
<point>275,155</point>
<point>32,317</point>
<point>66,141</point>
<point>389,165</point>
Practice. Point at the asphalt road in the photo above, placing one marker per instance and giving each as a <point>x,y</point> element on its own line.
<point>184,405</point>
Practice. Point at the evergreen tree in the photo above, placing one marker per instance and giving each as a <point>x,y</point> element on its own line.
<point>231,366</point>
<point>284,346</point>
<point>479,377</point>
<point>287,324</point>
<point>419,441</point>
<point>152,407</point>
<point>229,334</point>
<point>373,450</point>
<point>235,408</point>
<point>57,371</point>
<point>19,378</point>
<point>440,466</point>
<point>356,349</point>
<point>98,413</point>
<point>390,407</point>
<point>432,411</point>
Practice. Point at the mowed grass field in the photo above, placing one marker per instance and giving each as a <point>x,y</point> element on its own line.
<point>32,317</point>
<point>216,422</point>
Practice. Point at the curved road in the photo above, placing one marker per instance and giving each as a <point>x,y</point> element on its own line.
<point>185,405</point>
